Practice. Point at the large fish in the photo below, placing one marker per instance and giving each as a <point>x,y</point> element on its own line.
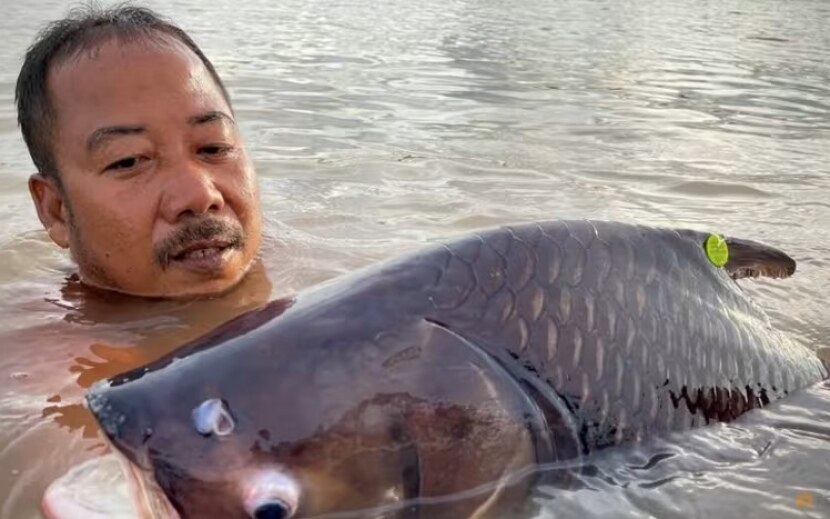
<point>453,371</point>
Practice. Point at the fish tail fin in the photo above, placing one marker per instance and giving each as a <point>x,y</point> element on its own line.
<point>752,259</point>
<point>823,354</point>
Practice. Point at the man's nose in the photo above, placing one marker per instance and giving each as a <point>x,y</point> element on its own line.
<point>189,191</point>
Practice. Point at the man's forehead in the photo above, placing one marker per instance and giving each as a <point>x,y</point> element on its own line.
<point>125,79</point>
<point>102,50</point>
<point>115,59</point>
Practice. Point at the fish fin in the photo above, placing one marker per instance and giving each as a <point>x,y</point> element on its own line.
<point>823,354</point>
<point>750,259</point>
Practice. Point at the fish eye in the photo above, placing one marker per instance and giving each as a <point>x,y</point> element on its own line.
<point>272,510</point>
<point>270,493</point>
<point>212,417</point>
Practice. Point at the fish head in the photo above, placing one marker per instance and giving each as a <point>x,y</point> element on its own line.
<point>286,423</point>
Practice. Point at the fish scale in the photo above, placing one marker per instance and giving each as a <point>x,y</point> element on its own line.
<point>670,353</point>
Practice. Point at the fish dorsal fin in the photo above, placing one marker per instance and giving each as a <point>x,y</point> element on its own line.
<point>752,259</point>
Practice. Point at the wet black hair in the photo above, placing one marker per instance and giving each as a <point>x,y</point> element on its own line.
<point>83,30</point>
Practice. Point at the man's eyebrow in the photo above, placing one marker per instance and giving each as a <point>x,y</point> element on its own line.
<point>102,135</point>
<point>209,117</point>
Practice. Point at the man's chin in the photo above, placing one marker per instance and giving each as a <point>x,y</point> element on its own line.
<point>187,282</point>
<point>205,290</point>
<point>193,278</point>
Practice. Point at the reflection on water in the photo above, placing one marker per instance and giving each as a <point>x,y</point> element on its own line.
<point>376,129</point>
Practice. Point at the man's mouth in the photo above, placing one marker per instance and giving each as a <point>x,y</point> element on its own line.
<point>205,256</point>
<point>203,246</point>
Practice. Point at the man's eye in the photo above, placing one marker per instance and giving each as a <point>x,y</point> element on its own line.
<point>123,164</point>
<point>215,150</point>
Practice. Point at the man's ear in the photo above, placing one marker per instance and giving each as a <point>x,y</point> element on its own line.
<point>51,208</point>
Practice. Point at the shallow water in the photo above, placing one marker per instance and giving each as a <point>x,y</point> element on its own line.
<point>377,128</point>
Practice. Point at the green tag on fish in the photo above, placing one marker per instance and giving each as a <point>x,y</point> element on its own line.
<point>716,250</point>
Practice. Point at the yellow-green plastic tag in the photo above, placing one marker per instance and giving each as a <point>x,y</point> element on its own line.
<point>716,250</point>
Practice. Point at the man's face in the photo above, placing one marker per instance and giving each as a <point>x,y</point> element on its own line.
<point>159,196</point>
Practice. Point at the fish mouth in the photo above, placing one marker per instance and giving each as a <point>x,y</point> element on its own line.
<point>148,498</point>
<point>107,487</point>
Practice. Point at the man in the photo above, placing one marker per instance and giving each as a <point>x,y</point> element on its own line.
<point>143,176</point>
<point>141,170</point>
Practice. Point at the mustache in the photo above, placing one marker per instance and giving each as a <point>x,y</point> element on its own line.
<point>230,234</point>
